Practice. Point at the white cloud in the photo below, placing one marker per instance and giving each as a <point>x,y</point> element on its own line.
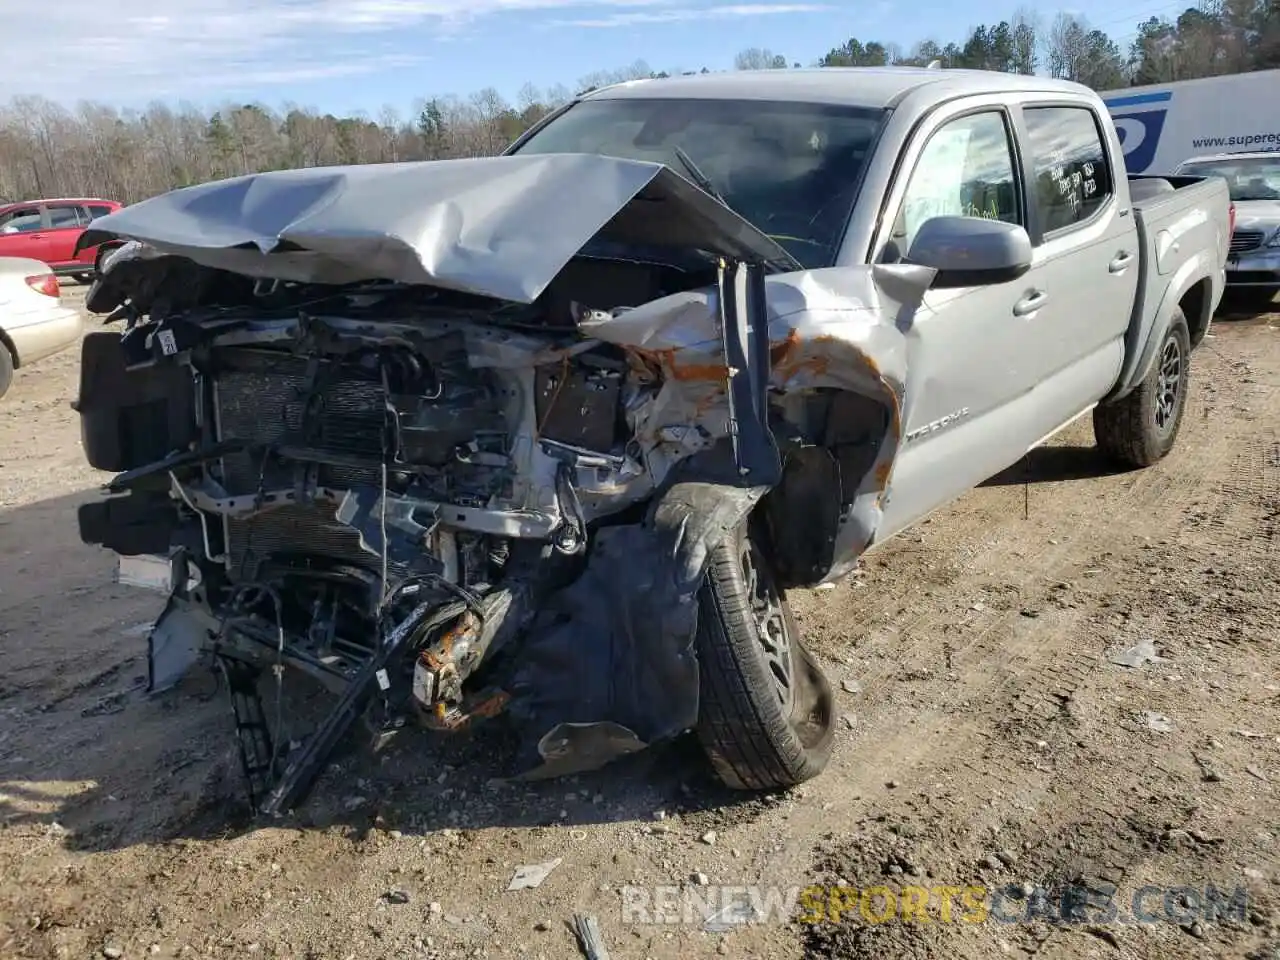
<point>682,14</point>
<point>205,49</point>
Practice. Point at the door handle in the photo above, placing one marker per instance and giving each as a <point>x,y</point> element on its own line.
<point>37,236</point>
<point>1030,303</point>
<point>1121,262</point>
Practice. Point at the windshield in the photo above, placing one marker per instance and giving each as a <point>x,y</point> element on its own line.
<point>1257,178</point>
<point>792,169</point>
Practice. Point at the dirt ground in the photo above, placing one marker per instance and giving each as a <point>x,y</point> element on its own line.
<point>987,739</point>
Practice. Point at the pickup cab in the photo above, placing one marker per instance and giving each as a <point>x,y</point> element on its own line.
<point>551,434</point>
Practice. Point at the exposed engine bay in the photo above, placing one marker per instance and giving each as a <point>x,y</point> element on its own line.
<point>443,503</point>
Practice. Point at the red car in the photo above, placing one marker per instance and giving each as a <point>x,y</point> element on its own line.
<point>47,230</point>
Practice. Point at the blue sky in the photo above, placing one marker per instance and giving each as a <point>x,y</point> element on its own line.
<point>344,55</point>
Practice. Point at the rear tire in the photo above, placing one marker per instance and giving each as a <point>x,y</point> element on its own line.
<point>767,714</point>
<point>1140,428</point>
<point>6,368</point>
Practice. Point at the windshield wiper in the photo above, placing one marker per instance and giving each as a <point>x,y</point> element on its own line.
<point>700,178</point>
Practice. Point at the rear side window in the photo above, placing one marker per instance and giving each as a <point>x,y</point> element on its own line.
<point>64,217</point>
<point>96,211</point>
<point>1072,178</point>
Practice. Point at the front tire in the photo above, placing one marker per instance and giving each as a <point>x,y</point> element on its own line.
<point>767,713</point>
<point>6,369</point>
<point>1140,428</point>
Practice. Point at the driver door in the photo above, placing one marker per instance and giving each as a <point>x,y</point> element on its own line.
<point>970,350</point>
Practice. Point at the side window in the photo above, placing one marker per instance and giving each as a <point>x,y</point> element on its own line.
<point>21,220</point>
<point>1072,176</point>
<point>966,169</point>
<point>62,217</point>
<point>96,211</point>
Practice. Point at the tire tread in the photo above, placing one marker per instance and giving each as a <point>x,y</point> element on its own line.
<point>1122,430</point>
<point>741,725</point>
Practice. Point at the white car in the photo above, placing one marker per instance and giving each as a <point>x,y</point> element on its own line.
<point>34,323</point>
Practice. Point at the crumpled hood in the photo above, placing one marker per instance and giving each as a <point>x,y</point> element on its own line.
<point>500,227</point>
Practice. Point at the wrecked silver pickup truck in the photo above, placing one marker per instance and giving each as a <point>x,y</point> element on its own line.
<point>551,434</point>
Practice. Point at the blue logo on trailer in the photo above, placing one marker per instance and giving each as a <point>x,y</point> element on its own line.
<point>1140,129</point>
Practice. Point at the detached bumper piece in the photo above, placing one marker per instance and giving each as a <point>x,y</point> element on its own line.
<point>277,785</point>
<point>253,734</point>
<point>298,776</point>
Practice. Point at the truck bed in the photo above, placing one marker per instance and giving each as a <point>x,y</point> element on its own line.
<point>1181,222</point>
<point>1178,219</point>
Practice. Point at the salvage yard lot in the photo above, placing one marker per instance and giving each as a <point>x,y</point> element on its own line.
<point>989,739</point>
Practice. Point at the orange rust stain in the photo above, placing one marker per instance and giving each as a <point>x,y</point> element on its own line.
<point>644,364</point>
<point>717,372</point>
<point>665,360</point>
<point>781,351</point>
<point>882,474</point>
<point>817,366</point>
<point>845,345</point>
<point>465,626</point>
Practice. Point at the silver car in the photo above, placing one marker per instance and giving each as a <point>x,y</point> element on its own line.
<point>34,323</point>
<point>1253,180</point>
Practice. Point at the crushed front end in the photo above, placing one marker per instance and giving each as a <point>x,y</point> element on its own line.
<point>476,471</point>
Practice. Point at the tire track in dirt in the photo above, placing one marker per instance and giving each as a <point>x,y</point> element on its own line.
<point>1041,680</point>
<point>960,707</point>
<point>1015,646</point>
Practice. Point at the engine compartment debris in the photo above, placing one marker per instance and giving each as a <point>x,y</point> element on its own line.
<point>447,505</point>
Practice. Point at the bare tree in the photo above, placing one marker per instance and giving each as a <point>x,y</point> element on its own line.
<point>1025,35</point>
<point>95,149</point>
<point>758,58</point>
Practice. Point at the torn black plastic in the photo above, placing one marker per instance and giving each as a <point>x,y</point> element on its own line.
<point>610,665</point>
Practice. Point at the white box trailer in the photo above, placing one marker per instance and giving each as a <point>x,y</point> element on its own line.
<point>1162,125</point>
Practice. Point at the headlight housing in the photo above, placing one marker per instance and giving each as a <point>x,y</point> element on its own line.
<point>1275,239</point>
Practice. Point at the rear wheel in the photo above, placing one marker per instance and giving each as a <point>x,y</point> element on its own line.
<point>767,712</point>
<point>6,368</point>
<point>1141,428</point>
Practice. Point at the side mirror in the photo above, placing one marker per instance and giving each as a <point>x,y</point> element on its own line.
<point>971,251</point>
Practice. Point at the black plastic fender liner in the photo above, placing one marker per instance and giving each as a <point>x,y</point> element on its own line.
<point>609,666</point>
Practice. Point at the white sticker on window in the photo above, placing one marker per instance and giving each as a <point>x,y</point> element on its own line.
<point>168,345</point>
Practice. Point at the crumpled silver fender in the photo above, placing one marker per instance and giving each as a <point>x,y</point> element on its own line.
<point>637,681</point>
<point>841,327</point>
